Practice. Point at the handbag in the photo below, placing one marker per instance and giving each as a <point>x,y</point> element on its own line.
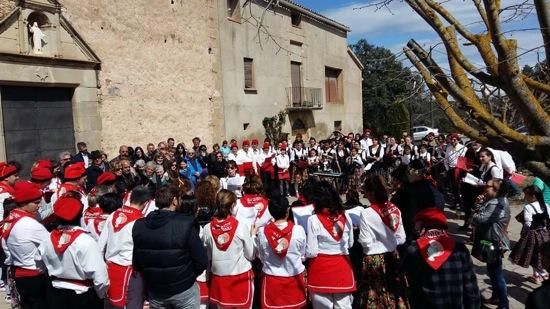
<point>485,251</point>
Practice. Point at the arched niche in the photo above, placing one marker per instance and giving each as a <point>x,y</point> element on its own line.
<point>45,25</point>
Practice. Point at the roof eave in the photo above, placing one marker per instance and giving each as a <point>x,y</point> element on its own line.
<point>316,16</point>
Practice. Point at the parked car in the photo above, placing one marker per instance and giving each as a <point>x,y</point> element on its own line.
<point>420,132</point>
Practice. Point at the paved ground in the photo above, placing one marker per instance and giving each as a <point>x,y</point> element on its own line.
<point>516,277</point>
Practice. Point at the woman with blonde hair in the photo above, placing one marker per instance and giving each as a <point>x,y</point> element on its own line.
<point>230,250</point>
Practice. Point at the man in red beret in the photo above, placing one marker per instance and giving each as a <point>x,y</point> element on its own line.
<point>74,179</point>
<point>254,153</point>
<point>232,156</point>
<point>439,269</point>
<point>42,177</point>
<point>22,235</point>
<point>74,262</point>
<point>126,286</point>
<point>243,159</point>
<point>9,174</point>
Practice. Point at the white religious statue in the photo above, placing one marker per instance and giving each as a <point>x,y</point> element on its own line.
<point>37,37</point>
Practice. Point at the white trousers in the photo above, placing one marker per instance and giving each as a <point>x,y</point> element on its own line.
<point>330,301</point>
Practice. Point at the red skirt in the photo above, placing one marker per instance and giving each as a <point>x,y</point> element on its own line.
<point>232,291</point>
<point>246,168</point>
<point>330,274</point>
<point>283,292</point>
<point>284,175</point>
<point>204,290</point>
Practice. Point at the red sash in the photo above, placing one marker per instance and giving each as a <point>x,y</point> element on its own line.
<point>390,215</point>
<point>125,215</point>
<point>223,231</point>
<point>267,166</point>
<point>333,224</point>
<point>257,201</point>
<point>435,247</point>
<point>245,168</point>
<point>62,238</point>
<point>14,217</point>
<point>330,274</point>
<point>232,291</point>
<point>119,278</point>
<point>204,291</point>
<point>278,240</point>
<point>283,292</point>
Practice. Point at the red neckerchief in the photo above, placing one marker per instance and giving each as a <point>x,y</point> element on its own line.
<point>125,215</point>
<point>6,188</point>
<point>389,213</point>
<point>10,221</point>
<point>436,247</point>
<point>279,240</point>
<point>302,199</point>
<point>257,201</point>
<point>63,237</point>
<point>333,224</point>
<point>223,231</point>
<point>91,213</point>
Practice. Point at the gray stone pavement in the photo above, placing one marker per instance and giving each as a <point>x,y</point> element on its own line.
<point>516,277</point>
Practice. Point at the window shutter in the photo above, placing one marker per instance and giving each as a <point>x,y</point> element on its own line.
<point>248,74</point>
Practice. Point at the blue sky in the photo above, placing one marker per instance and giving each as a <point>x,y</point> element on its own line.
<point>393,29</point>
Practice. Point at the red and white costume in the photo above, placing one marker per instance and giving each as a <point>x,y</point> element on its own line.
<point>149,207</point>
<point>251,209</point>
<point>230,250</point>
<point>282,248</point>
<point>94,221</point>
<point>283,163</point>
<point>21,236</point>
<point>66,187</point>
<point>244,162</point>
<point>330,275</point>
<point>256,156</point>
<point>6,192</point>
<point>74,261</point>
<point>381,229</point>
<point>301,214</point>
<point>117,243</point>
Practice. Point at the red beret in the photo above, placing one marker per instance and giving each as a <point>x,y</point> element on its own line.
<point>41,173</point>
<point>74,171</point>
<point>454,135</point>
<point>67,208</point>
<point>430,217</point>
<point>7,170</point>
<point>266,145</point>
<point>43,163</point>
<point>255,141</point>
<point>246,142</point>
<point>367,130</point>
<point>26,191</point>
<point>234,145</point>
<point>282,146</point>
<point>106,178</point>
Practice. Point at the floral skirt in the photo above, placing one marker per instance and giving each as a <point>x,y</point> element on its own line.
<point>382,285</point>
<point>527,251</point>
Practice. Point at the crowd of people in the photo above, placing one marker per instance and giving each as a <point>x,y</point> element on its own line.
<point>173,226</point>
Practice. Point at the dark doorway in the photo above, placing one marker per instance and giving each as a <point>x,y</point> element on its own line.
<point>38,123</point>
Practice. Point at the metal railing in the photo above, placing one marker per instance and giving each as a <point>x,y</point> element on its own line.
<point>304,98</point>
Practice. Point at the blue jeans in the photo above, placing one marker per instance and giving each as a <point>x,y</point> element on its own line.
<point>188,299</point>
<point>498,282</point>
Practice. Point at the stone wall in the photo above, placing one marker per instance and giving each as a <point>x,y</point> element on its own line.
<point>5,7</point>
<point>159,68</point>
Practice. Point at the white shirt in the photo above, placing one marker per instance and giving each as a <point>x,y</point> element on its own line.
<point>232,157</point>
<point>82,260</point>
<point>365,143</point>
<point>319,241</point>
<point>4,195</point>
<point>118,246</point>
<point>452,155</point>
<point>292,263</point>
<point>496,171</point>
<point>242,157</point>
<point>233,184</point>
<point>249,215</point>
<point>282,161</point>
<point>296,154</point>
<point>532,209</point>
<point>375,236</point>
<point>23,241</point>
<point>236,259</point>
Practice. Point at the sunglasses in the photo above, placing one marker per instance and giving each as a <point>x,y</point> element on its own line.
<point>118,169</point>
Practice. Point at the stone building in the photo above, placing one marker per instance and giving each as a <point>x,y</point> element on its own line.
<point>135,71</point>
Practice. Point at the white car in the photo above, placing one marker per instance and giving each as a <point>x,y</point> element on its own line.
<point>421,131</point>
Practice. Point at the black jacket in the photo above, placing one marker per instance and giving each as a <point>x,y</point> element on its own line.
<point>93,173</point>
<point>168,252</point>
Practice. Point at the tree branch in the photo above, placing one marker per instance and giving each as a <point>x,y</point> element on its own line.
<point>543,14</point>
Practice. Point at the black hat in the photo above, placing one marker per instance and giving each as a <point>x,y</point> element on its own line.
<point>96,154</point>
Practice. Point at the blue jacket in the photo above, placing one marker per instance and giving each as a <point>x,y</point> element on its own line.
<point>194,166</point>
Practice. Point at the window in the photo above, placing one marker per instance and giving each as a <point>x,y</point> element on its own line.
<point>296,19</point>
<point>233,9</point>
<point>333,85</point>
<point>338,125</point>
<point>249,82</point>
